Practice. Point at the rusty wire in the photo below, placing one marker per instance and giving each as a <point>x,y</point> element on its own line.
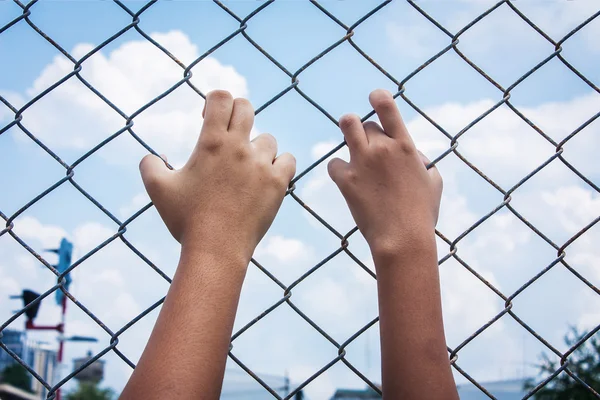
<point>346,35</point>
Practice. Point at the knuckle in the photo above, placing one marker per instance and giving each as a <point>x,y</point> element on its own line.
<point>213,145</point>
<point>381,148</point>
<point>344,178</point>
<point>407,147</point>
<point>291,161</point>
<point>350,177</point>
<point>288,163</point>
<point>241,153</point>
<point>268,175</point>
<point>267,137</point>
<point>266,141</point>
<point>371,125</point>
<point>281,180</point>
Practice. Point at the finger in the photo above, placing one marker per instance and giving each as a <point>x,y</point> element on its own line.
<point>338,169</point>
<point>373,131</point>
<point>384,105</point>
<point>436,177</point>
<point>424,158</point>
<point>266,146</point>
<point>242,117</point>
<point>154,171</point>
<point>217,111</point>
<point>354,133</point>
<point>285,165</point>
<point>432,171</point>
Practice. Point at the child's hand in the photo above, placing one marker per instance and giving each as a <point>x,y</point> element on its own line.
<point>393,198</point>
<point>226,196</point>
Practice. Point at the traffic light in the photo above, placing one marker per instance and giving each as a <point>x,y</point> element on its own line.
<point>28,297</point>
<point>64,252</point>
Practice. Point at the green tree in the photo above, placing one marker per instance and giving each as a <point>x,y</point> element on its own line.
<point>90,391</point>
<point>584,362</point>
<point>17,376</point>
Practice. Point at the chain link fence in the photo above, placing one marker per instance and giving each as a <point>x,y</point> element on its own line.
<point>453,39</point>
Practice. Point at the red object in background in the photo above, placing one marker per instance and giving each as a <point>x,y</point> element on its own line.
<point>60,328</point>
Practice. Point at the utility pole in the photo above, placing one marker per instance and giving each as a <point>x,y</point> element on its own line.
<point>64,262</point>
<point>65,251</point>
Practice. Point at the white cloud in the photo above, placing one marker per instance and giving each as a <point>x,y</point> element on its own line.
<point>111,276</point>
<point>89,235</point>
<point>321,148</point>
<point>501,145</point>
<point>329,297</point>
<point>502,43</point>
<point>282,249</point>
<point>576,208</point>
<point>49,236</point>
<point>125,307</point>
<point>27,265</point>
<point>105,283</point>
<point>340,299</point>
<point>71,117</point>
<point>556,18</point>
<point>416,39</point>
<point>321,194</point>
<point>573,218</point>
<point>137,202</point>
<point>13,98</point>
<point>8,285</point>
<point>503,249</point>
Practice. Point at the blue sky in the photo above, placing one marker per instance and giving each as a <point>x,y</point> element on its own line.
<point>116,285</point>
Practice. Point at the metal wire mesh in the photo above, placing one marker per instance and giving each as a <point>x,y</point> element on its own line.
<point>285,301</point>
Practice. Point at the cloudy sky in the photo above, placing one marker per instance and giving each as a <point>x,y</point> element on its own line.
<point>117,285</point>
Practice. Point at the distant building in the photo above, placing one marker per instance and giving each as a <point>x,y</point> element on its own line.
<point>41,357</point>
<point>8,392</point>
<point>355,394</point>
<point>510,389</point>
<point>93,373</point>
<point>15,341</point>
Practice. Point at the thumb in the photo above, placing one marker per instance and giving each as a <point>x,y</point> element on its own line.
<point>153,171</point>
<point>338,169</point>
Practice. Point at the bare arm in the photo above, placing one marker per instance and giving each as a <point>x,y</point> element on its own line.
<point>218,206</point>
<point>414,358</point>
<point>395,202</point>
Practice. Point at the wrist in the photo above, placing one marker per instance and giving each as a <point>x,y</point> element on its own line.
<point>220,258</point>
<point>403,246</point>
<point>214,238</point>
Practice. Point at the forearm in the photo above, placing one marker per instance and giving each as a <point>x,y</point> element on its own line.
<point>415,361</point>
<point>186,353</point>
